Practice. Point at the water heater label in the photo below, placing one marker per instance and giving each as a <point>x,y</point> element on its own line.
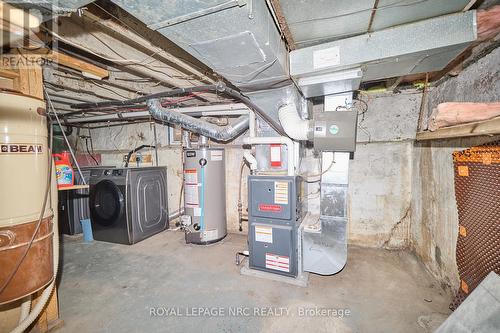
<point>263,234</point>
<point>197,211</point>
<point>191,176</point>
<point>210,235</point>
<point>216,155</point>
<point>281,193</point>
<point>276,262</point>
<point>191,195</point>
<point>20,148</point>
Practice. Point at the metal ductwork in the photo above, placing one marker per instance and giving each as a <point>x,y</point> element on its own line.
<point>217,133</point>
<point>238,39</point>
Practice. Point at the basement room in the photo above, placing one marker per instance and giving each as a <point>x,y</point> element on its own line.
<point>250,166</point>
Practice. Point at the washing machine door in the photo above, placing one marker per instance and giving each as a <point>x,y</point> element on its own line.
<point>107,204</point>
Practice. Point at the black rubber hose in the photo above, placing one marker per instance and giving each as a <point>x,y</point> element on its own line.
<point>142,99</point>
<point>219,88</point>
<point>136,150</point>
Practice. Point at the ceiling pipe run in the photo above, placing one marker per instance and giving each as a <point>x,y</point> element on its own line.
<point>218,133</point>
<point>220,87</point>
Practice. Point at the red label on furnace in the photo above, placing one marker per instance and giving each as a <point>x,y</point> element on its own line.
<point>269,208</point>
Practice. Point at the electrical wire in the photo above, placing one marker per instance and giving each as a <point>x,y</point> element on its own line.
<point>129,27</point>
<point>220,87</point>
<point>88,152</point>
<point>318,174</point>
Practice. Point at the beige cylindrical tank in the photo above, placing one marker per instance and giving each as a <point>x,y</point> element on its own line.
<point>24,162</point>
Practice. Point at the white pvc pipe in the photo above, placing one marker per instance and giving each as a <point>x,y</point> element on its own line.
<point>252,161</point>
<point>276,140</point>
<point>251,124</point>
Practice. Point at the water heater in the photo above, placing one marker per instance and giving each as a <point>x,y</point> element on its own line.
<point>204,195</point>
<point>24,162</point>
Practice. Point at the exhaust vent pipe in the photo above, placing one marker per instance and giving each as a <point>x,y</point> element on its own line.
<point>217,133</point>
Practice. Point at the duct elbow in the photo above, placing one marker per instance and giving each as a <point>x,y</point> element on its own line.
<point>293,125</point>
<point>199,126</point>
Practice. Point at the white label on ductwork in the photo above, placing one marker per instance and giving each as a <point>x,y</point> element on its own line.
<point>276,262</point>
<point>281,193</point>
<point>326,57</point>
<point>216,155</point>
<point>263,234</point>
<point>191,195</point>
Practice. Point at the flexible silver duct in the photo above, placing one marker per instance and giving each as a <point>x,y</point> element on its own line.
<point>199,126</point>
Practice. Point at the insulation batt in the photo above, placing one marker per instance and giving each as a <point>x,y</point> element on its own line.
<point>450,114</point>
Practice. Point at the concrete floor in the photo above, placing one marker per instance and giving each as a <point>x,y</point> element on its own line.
<point>116,288</point>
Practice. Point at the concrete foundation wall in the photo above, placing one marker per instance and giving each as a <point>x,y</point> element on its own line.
<point>434,226</point>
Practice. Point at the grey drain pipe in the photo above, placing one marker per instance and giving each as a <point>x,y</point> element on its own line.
<point>196,125</point>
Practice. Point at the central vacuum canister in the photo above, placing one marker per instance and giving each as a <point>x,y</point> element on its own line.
<point>205,195</point>
<point>24,163</point>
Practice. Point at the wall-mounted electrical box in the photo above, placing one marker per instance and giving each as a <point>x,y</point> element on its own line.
<point>335,131</point>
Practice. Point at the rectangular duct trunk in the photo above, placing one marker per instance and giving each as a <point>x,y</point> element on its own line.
<point>418,47</point>
<point>237,39</point>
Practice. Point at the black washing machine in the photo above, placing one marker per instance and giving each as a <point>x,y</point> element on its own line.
<point>74,205</point>
<point>128,205</point>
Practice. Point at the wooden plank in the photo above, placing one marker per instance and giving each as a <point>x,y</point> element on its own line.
<point>52,308</point>
<point>480,128</point>
<point>28,74</point>
<point>74,187</point>
<point>8,73</point>
<point>74,63</point>
<point>41,323</point>
<point>49,318</point>
<point>6,84</point>
<point>71,62</point>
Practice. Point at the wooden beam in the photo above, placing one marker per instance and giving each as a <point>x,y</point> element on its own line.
<point>481,128</point>
<point>8,73</point>
<point>72,62</point>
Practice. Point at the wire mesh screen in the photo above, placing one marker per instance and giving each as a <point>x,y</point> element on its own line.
<point>477,192</point>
